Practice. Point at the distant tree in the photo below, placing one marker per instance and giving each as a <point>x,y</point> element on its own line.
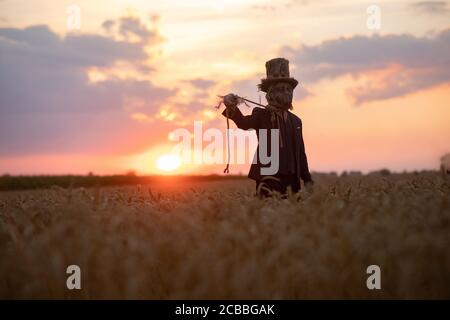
<point>381,172</point>
<point>445,164</point>
<point>131,173</point>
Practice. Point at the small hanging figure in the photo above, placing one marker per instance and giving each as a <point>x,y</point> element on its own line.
<point>293,164</point>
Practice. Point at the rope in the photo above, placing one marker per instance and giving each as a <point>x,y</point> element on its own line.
<point>226,170</point>
<point>240,100</point>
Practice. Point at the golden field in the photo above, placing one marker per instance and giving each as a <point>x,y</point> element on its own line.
<point>215,240</point>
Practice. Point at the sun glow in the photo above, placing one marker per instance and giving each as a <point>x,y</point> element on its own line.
<point>168,162</point>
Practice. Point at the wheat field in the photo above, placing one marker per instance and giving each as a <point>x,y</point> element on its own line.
<point>215,240</point>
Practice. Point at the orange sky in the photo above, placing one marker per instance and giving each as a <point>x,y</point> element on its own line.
<point>104,98</point>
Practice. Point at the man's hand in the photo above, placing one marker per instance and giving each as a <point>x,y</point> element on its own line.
<point>309,186</point>
<point>230,101</point>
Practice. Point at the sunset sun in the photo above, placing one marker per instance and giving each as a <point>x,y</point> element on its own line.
<point>168,162</point>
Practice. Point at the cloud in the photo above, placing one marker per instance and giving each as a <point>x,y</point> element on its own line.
<point>247,88</point>
<point>203,84</point>
<point>108,25</point>
<point>263,7</point>
<point>290,3</point>
<point>49,105</point>
<point>431,7</point>
<point>420,63</point>
<point>131,28</point>
<point>270,6</point>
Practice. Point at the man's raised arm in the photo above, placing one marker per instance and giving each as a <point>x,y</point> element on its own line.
<point>233,112</point>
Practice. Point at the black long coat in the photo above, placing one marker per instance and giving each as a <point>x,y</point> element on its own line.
<point>261,119</point>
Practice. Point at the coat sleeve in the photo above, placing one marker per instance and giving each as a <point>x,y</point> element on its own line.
<point>244,122</point>
<point>304,169</point>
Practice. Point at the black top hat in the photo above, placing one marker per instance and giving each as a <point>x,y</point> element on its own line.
<point>277,70</point>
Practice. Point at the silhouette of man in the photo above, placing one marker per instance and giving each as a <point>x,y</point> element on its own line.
<point>293,164</point>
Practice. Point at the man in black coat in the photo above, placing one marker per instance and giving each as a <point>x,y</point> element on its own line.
<point>291,155</point>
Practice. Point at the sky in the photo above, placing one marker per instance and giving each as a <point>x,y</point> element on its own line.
<point>100,85</point>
